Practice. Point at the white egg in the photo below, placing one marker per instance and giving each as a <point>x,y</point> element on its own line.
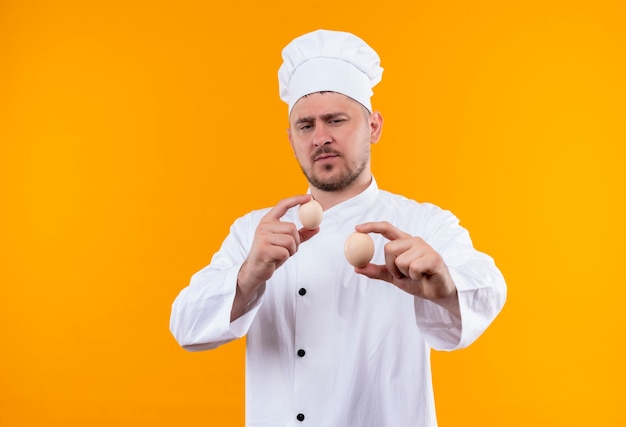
<point>310,214</point>
<point>359,249</point>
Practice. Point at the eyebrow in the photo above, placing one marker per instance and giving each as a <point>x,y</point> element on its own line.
<point>324,117</point>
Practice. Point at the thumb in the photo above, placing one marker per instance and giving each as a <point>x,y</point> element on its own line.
<point>374,271</point>
<point>306,234</point>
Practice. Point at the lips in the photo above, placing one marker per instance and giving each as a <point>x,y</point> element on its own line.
<point>325,154</point>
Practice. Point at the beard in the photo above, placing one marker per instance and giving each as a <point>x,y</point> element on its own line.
<point>344,179</point>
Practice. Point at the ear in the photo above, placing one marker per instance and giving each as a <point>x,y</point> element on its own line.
<point>376,127</point>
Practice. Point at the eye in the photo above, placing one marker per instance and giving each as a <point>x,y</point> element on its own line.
<point>305,126</point>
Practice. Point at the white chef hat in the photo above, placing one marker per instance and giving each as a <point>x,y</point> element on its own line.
<point>326,60</point>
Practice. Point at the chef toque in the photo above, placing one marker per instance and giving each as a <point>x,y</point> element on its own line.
<point>326,60</point>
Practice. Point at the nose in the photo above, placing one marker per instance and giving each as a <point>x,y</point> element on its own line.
<point>321,136</point>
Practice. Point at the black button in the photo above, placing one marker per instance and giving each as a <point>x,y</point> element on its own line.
<point>302,291</point>
<point>301,353</point>
<point>300,417</point>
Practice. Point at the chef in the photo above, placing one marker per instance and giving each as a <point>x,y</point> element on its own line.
<point>330,344</point>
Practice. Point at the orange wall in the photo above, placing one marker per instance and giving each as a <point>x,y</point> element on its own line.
<point>133,132</point>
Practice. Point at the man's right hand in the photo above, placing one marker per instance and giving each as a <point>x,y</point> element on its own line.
<point>274,242</point>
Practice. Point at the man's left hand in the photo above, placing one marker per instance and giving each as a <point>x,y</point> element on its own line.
<point>412,265</point>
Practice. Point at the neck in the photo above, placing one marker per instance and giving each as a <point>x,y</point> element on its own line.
<point>328,199</point>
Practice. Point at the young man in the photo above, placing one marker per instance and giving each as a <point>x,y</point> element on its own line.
<point>329,344</point>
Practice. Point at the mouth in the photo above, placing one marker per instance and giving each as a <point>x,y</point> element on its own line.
<point>325,155</point>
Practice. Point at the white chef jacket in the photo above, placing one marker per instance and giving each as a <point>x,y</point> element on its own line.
<point>327,346</point>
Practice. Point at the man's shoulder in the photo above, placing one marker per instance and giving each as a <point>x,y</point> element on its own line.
<point>403,208</point>
<point>404,202</point>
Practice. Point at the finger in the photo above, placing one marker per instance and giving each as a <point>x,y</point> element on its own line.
<point>384,228</point>
<point>268,254</point>
<point>426,265</point>
<point>305,234</point>
<point>284,241</point>
<point>398,255</point>
<point>390,264</point>
<point>277,227</point>
<point>281,208</point>
<point>278,254</point>
<point>407,253</point>
<point>380,272</point>
<point>274,233</point>
<point>406,245</point>
<point>374,271</point>
<point>267,229</point>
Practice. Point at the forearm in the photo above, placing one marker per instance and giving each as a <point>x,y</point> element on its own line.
<point>244,301</point>
<point>450,303</point>
<point>200,317</point>
<point>481,292</point>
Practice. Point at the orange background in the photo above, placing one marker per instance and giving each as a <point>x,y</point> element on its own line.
<point>134,132</point>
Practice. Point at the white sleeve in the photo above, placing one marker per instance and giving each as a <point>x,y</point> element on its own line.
<point>200,317</point>
<point>480,285</point>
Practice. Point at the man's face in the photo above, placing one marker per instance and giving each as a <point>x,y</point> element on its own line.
<point>331,136</point>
